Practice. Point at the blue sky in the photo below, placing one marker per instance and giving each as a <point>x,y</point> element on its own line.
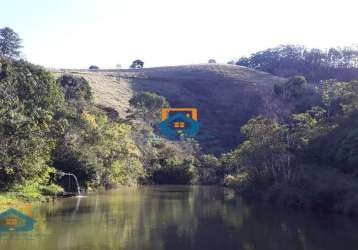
<point>78,33</point>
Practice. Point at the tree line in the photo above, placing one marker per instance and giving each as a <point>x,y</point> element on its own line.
<point>314,64</point>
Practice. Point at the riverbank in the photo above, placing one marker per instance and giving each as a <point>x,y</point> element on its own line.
<point>11,197</point>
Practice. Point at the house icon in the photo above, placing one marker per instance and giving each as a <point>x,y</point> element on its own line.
<point>178,125</point>
<point>13,220</point>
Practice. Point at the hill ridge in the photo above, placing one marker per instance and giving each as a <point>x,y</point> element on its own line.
<point>225,95</point>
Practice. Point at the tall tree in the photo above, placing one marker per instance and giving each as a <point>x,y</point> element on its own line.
<point>10,43</point>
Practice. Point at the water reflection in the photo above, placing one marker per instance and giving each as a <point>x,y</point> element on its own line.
<point>179,217</point>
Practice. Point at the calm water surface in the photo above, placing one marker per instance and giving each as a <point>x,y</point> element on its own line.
<point>178,217</point>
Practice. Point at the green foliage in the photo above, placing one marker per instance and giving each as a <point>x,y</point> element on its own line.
<point>29,88</point>
<point>230,161</point>
<point>313,64</point>
<point>148,101</point>
<point>347,153</point>
<point>339,98</point>
<point>99,151</point>
<point>172,163</point>
<point>298,93</point>
<point>30,100</point>
<point>294,88</point>
<point>10,43</point>
<point>266,152</point>
<point>52,190</point>
<point>237,181</point>
<point>317,188</point>
<point>38,130</point>
<point>75,88</point>
<point>35,188</point>
<point>209,169</point>
<point>308,163</point>
<point>148,106</point>
<point>174,173</point>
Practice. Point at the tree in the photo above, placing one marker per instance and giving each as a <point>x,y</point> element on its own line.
<point>10,43</point>
<point>294,88</point>
<point>93,67</point>
<point>30,100</point>
<point>212,61</point>
<point>209,169</point>
<point>243,61</point>
<point>266,152</point>
<point>148,105</point>
<point>137,64</point>
<point>75,88</point>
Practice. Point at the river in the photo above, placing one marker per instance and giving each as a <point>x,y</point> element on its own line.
<point>178,217</point>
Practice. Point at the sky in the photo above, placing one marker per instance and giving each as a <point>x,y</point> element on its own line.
<point>80,33</point>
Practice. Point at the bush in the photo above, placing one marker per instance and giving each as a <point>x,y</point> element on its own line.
<point>51,190</point>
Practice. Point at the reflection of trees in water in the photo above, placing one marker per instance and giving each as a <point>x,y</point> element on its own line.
<point>272,229</point>
<point>210,222</point>
<point>170,218</point>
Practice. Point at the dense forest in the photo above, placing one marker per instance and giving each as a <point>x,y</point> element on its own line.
<point>308,159</point>
<point>314,64</point>
<point>50,126</point>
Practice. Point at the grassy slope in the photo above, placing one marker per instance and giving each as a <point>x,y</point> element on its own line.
<point>225,95</point>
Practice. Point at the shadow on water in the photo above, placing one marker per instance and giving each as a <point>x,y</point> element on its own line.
<point>181,217</point>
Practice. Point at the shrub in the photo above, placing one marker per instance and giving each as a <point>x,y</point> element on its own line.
<point>52,190</point>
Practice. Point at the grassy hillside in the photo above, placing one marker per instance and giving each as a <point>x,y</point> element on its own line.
<point>227,96</point>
